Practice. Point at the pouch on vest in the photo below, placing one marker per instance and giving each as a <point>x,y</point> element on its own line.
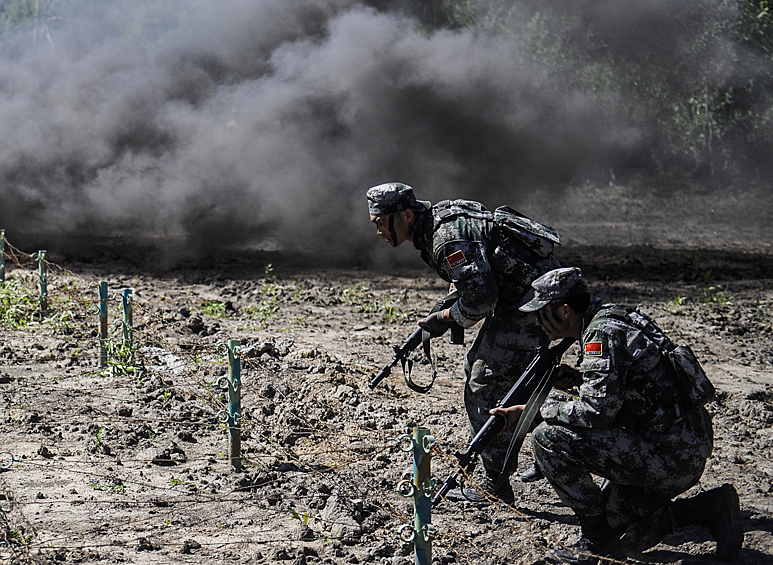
<point>696,386</point>
<point>539,238</point>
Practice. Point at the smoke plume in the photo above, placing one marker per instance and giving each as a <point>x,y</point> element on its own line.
<point>222,124</point>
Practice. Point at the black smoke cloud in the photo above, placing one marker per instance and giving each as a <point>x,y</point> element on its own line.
<point>219,124</point>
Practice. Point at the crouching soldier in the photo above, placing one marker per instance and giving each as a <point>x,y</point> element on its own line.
<point>638,423</point>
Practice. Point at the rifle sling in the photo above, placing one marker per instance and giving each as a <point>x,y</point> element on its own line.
<point>533,405</point>
<point>423,389</point>
<point>425,339</point>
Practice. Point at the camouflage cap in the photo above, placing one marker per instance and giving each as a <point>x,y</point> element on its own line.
<point>553,285</point>
<point>393,197</point>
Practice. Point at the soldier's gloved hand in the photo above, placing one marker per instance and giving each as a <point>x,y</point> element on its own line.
<point>435,324</point>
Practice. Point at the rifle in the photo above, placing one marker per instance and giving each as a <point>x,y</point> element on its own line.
<point>538,372</point>
<point>413,341</point>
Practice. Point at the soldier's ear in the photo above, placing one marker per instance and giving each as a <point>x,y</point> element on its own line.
<point>409,215</point>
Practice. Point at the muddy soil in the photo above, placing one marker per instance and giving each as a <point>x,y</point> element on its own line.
<point>130,462</point>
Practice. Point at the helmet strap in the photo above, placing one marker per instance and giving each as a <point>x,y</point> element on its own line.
<point>391,225</point>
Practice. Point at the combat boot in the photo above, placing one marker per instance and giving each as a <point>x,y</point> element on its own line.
<point>649,531</point>
<point>597,540</point>
<point>719,510</point>
<point>504,492</point>
<point>532,474</point>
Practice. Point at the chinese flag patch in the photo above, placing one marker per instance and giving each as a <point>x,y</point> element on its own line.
<point>456,258</point>
<point>593,349</point>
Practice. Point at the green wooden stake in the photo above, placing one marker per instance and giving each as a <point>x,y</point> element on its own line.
<point>103,323</point>
<point>2,255</point>
<point>421,530</point>
<point>234,403</point>
<point>128,336</point>
<point>43,277</point>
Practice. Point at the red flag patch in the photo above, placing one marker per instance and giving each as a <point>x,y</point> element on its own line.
<point>593,349</point>
<point>456,258</point>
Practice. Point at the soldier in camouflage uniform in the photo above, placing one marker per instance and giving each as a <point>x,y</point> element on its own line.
<point>630,424</point>
<point>491,259</point>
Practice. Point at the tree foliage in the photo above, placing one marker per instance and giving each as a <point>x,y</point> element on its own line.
<point>696,75</point>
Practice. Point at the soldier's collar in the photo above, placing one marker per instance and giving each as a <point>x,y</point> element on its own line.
<point>422,230</point>
<point>593,308</point>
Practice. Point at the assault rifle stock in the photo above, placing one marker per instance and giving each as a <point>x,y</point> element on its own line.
<point>415,339</point>
<point>543,363</point>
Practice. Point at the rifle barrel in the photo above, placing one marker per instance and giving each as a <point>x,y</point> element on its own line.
<point>543,361</point>
<point>411,343</point>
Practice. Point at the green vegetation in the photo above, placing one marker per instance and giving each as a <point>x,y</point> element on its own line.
<point>673,306</point>
<point>97,439</point>
<point>213,309</point>
<point>354,295</point>
<point>717,295</point>
<point>18,537</point>
<point>391,311</point>
<point>268,307</point>
<point>362,300</point>
<point>271,293</point>
<point>111,484</point>
<point>121,359</point>
<point>302,518</point>
<point>699,80</point>
<point>18,303</point>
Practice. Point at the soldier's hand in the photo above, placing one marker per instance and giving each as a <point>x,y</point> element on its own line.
<point>511,415</point>
<point>435,324</point>
<point>566,377</point>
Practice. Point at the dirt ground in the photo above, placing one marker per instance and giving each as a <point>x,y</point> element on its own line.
<point>130,463</point>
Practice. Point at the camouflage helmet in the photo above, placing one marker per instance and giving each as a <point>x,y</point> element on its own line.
<point>393,197</point>
<point>553,285</point>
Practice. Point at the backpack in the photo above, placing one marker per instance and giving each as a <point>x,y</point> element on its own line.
<point>694,386</point>
<point>520,251</point>
<point>539,238</point>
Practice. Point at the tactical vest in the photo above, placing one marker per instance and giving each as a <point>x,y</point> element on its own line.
<point>692,386</point>
<point>691,381</point>
<point>518,248</point>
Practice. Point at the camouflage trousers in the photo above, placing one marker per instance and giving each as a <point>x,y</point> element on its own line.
<point>642,473</point>
<point>504,346</point>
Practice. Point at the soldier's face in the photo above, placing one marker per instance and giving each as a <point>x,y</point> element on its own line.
<point>398,232</point>
<point>554,319</point>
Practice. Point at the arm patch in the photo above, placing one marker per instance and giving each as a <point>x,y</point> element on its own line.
<point>594,349</point>
<point>456,258</point>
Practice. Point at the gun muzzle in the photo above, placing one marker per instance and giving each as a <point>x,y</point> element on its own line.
<point>384,373</point>
<point>451,483</point>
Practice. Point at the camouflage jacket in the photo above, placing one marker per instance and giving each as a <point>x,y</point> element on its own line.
<point>465,244</point>
<point>626,379</point>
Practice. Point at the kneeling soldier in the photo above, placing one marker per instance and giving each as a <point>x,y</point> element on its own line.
<point>632,425</point>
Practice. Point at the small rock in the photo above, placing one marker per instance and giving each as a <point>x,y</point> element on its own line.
<point>189,546</point>
<point>196,324</point>
<point>171,456</point>
<point>185,435</point>
<point>304,533</point>
<point>280,554</point>
<point>143,544</point>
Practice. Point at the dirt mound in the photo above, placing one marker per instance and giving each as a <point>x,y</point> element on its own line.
<point>129,462</point>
